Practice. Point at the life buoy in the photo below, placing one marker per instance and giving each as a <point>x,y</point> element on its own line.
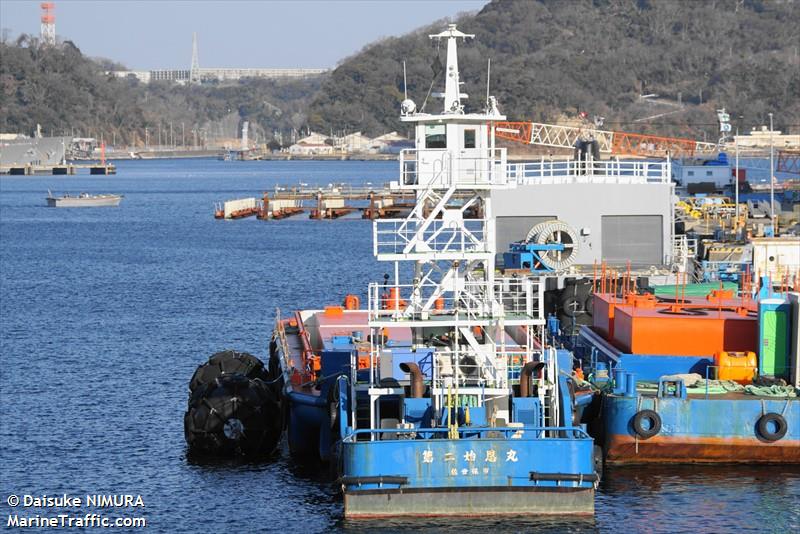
<point>764,426</point>
<point>654,423</point>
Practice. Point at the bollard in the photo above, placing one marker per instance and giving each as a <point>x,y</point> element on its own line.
<point>619,381</point>
<point>630,385</point>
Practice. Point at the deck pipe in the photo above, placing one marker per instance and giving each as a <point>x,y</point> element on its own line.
<point>619,381</point>
<point>417,386</point>
<point>630,385</point>
<point>525,377</point>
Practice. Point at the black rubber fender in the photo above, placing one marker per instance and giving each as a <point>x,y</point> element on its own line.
<point>599,461</point>
<point>655,426</point>
<point>571,305</point>
<point>763,426</point>
<point>228,362</point>
<point>588,305</point>
<point>235,415</point>
<point>573,298</point>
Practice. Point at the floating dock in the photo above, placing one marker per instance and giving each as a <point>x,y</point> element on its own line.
<point>329,203</point>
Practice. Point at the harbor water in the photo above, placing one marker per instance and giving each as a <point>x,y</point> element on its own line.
<point>105,313</point>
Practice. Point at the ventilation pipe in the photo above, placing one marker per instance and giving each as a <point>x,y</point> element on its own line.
<point>417,387</point>
<point>525,377</point>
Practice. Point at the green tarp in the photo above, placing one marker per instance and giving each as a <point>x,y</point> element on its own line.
<point>694,290</point>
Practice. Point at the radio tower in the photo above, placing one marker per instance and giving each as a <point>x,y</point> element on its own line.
<point>48,31</point>
<point>194,72</point>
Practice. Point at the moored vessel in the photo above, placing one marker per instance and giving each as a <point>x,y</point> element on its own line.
<point>696,379</point>
<point>84,200</point>
<point>441,397</point>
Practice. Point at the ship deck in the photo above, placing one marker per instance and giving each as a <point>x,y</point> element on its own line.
<point>729,395</point>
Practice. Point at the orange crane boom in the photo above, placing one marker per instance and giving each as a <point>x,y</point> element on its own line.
<point>615,143</point>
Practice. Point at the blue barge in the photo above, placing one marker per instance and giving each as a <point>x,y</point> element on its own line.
<point>439,397</point>
<point>666,406</point>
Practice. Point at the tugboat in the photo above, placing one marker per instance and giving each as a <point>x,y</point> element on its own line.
<point>441,398</point>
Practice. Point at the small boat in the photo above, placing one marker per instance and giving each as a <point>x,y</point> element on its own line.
<point>84,200</point>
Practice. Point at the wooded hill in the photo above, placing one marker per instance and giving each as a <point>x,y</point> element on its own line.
<point>552,58</point>
<point>68,93</point>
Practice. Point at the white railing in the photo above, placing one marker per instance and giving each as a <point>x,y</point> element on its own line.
<point>684,253</point>
<point>393,236</point>
<point>521,296</point>
<point>442,168</point>
<point>512,298</point>
<point>590,171</point>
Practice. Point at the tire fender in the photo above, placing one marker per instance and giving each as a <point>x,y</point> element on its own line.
<point>764,430</point>
<point>638,423</point>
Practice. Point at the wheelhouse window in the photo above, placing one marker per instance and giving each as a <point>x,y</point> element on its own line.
<point>469,138</point>
<point>435,136</point>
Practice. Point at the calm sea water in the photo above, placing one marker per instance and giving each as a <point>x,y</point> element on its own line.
<point>105,313</point>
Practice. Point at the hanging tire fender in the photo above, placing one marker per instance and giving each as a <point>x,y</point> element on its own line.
<point>764,428</point>
<point>333,404</point>
<point>638,423</point>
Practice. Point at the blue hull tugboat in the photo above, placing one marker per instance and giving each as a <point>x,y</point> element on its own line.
<point>441,397</point>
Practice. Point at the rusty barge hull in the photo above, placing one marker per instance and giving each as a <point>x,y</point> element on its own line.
<point>627,450</point>
<point>696,429</point>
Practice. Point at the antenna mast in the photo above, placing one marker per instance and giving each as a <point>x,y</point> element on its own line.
<point>48,29</point>
<point>405,83</point>
<point>488,76</point>
<point>194,72</point>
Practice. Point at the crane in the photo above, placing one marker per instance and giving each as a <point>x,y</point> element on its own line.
<point>609,142</point>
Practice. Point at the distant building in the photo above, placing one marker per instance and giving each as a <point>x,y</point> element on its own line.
<point>183,76</point>
<point>702,173</point>
<point>12,136</point>
<point>762,139</point>
<point>310,149</point>
<point>312,145</point>
<point>40,151</point>
<point>195,74</point>
<point>141,75</point>
<point>354,142</point>
<point>390,143</point>
<point>313,138</point>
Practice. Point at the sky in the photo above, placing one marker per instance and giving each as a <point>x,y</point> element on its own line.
<point>155,34</point>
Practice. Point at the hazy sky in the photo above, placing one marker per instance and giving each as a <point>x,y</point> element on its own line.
<point>151,34</point>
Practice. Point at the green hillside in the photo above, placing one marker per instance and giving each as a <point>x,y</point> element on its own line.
<point>556,57</point>
<point>67,93</point>
<point>550,59</point>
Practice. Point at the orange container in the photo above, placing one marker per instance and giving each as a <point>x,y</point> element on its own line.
<point>334,311</point>
<point>692,328</point>
<point>737,366</point>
